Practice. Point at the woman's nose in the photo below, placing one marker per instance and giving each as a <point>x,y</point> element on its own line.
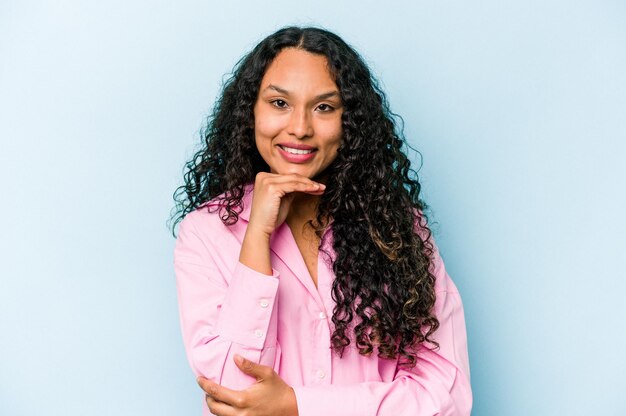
<point>300,124</point>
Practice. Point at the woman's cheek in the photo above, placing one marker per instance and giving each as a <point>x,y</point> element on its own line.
<point>268,126</point>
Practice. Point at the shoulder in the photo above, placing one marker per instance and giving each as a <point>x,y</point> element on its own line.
<point>202,221</point>
<point>204,228</point>
<point>197,233</point>
<point>443,282</point>
<point>207,214</point>
<point>207,217</point>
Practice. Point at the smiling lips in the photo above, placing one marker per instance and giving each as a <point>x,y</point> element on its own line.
<point>296,153</point>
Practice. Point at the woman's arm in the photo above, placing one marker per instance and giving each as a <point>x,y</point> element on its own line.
<point>438,385</point>
<point>230,308</point>
<point>222,314</point>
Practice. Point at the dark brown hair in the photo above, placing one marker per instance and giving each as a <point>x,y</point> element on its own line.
<point>382,256</point>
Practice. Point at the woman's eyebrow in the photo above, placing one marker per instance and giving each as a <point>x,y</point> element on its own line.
<point>285,92</point>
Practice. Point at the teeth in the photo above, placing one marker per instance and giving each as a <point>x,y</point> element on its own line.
<point>296,151</point>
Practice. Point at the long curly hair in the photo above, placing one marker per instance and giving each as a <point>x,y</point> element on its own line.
<point>382,245</point>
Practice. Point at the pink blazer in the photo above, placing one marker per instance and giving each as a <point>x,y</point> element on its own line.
<point>283,321</point>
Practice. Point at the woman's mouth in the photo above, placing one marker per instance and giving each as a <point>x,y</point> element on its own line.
<point>294,151</point>
<point>301,154</point>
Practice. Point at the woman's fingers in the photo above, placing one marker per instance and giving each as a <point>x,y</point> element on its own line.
<point>265,177</point>
<point>296,186</point>
<point>287,183</point>
<point>219,408</point>
<point>220,393</point>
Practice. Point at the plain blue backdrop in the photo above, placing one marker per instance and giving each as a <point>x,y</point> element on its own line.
<point>519,111</point>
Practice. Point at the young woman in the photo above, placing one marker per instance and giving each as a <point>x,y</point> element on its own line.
<point>308,280</point>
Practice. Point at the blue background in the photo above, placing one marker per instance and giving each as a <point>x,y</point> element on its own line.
<point>519,110</point>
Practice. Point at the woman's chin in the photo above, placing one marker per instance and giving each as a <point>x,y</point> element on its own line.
<point>295,170</point>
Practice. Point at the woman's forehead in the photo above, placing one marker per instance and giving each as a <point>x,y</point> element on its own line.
<point>296,70</point>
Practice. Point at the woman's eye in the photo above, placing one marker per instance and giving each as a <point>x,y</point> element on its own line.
<point>279,103</point>
<point>324,107</point>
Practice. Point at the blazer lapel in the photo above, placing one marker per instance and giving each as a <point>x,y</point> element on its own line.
<point>284,246</point>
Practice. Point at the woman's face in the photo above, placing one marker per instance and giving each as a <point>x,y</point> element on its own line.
<point>297,115</point>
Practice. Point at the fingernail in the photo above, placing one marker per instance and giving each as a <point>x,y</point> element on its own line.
<point>238,358</point>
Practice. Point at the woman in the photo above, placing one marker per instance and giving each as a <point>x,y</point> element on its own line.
<point>307,277</point>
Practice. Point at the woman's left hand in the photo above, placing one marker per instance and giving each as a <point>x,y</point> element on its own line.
<point>269,396</point>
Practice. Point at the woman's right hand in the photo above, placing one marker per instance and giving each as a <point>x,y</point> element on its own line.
<point>272,199</point>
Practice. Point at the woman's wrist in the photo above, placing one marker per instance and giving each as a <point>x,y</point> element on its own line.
<point>293,403</point>
<point>255,251</point>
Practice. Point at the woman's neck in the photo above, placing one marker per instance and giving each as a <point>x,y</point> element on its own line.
<point>303,208</point>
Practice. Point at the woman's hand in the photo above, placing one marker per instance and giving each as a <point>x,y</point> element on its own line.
<point>272,198</point>
<point>271,201</point>
<point>269,396</point>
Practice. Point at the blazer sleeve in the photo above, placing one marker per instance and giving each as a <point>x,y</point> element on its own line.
<point>224,310</point>
<point>438,385</point>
